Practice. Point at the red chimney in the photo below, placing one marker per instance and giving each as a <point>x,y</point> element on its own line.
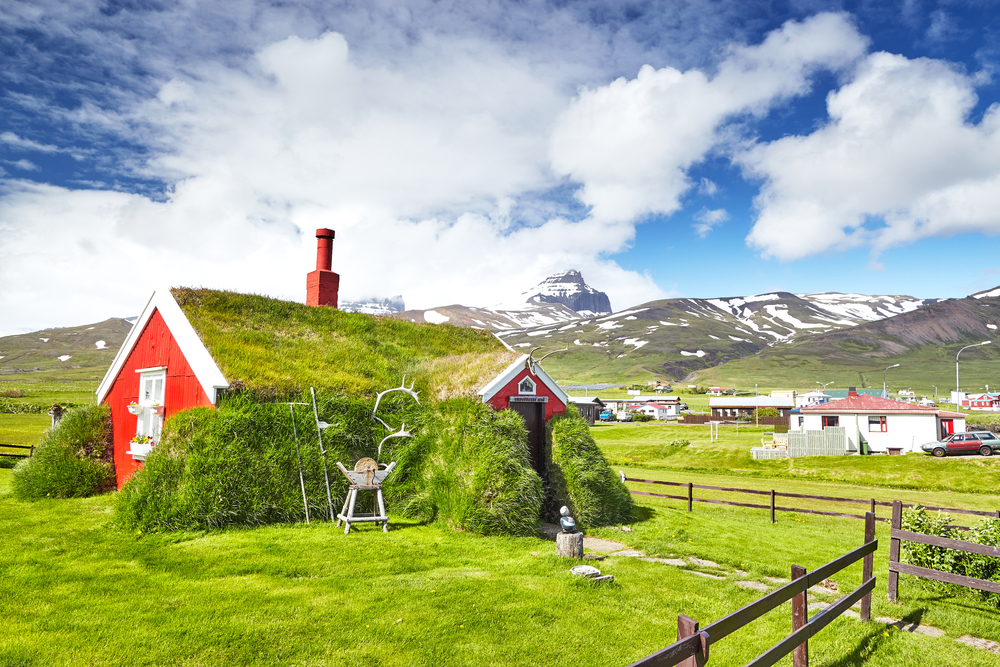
<point>852,392</point>
<point>322,284</point>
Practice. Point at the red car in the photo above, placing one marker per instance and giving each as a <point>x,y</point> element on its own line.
<point>983,442</point>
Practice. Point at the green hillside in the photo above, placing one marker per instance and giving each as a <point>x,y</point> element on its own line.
<point>81,352</point>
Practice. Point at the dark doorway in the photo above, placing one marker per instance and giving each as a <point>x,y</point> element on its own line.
<point>533,415</point>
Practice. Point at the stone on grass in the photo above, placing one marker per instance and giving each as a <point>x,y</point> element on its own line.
<point>702,562</point>
<point>976,642</point>
<point>755,585</point>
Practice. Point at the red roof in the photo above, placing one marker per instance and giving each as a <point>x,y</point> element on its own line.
<point>863,403</point>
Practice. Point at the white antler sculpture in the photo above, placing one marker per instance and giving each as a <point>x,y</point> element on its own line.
<point>402,388</point>
<point>401,433</point>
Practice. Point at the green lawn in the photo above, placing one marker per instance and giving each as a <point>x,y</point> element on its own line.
<point>654,445</point>
<point>23,429</point>
<point>77,591</point>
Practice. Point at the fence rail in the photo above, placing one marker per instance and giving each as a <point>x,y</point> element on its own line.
<point>896,568</point>
<point>774,495</point>
<point>30,448</point>
<point>692,646</point>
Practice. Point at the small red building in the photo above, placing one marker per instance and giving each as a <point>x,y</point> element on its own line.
<point>526,388</point>
<point>163,367</point>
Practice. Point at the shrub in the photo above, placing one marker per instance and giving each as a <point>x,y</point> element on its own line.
<point>74,459</point>
<point>581,477</point>
<point>478,473</point>
<point>7,462</point>
<point>987,532</point>
<point>768,412</point>
<point>641,417</point>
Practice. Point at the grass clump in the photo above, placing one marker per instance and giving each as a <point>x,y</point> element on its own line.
<point>582,478</point>
<point>478,475</point>
<point>74,459</point>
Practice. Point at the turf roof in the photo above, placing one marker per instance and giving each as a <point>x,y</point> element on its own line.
<point>272,345</point>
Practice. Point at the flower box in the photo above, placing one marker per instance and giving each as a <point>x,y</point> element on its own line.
<point>140,447</point>
<point>135,408</point>
<point>157,409</point>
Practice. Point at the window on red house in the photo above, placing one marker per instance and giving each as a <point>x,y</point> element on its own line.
<point>877,425</point>
<point>831,420</point>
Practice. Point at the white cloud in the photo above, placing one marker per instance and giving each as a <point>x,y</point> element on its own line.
<point>897,161</point>
<point>708,187</point>
<point>12,139</point>
<point>707,219</point>
<point>26,165</point>
<point>630,143</point>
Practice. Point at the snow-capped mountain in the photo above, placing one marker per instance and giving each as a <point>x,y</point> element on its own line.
<point>374,306</point>
<point>559,298</point>
<point>677,336</point>
<point>567,288</point>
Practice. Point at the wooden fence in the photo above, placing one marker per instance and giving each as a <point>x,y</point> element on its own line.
<point>774,495</point>
<point>895,567</point>
<point>692,646</point>
<point>31,451</point>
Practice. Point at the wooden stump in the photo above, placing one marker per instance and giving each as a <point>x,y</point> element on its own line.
<point>569,545</point>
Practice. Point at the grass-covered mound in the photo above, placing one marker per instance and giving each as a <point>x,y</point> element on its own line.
<point>477,474</point>
<point>581,477</point>
<point>74,459</point>
<point>269,345</point>
<point>237,465</point>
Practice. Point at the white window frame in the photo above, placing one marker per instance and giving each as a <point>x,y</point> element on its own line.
<point>149,421</point>
<point>520,386</point>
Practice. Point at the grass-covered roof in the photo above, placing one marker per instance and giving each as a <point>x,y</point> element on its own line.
<point>272,345</point>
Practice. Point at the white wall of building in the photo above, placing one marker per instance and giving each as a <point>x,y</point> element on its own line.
<point>908,431</point>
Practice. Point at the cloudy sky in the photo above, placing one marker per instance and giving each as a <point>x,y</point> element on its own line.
<point>465,150</point>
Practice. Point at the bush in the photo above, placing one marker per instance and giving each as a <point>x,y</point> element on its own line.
<point>581,478</point>
<point>74,459</point>
<point>237,465</point>
<point>7,462</point>
<point>641,417</point>
<point>987,532</point>
<point>768,412</point>
<point>478,473</point>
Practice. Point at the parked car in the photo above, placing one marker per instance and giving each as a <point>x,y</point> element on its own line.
<point>682,406</point>
<point>970,442</point>
<point>608,417</point>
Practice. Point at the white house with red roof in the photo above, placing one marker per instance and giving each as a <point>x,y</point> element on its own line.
<point>880,422</point>
<point>660,411</point>
<point>988,402</point>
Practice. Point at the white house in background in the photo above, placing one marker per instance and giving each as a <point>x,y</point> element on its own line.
<point>732,406</point>
<point>811,398</point>
<point>662,411</point>
<point>880,422</point>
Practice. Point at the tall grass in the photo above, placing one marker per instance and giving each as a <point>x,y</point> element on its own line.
<point>581,478</point>
<point>478,475</point>
<point>73,460</point>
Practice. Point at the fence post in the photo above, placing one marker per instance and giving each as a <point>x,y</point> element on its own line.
<point>687,626</point>
<point>772,506</point>
<point>866,572</point>
<point>690,496</point>
<point>873,506</point>
<point>800,617</point>
<point>897,521</point>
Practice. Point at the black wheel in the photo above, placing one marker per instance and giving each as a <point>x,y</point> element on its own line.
<point>939,451</point>
<point>985,450</point>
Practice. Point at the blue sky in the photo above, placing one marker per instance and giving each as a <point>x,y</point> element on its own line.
<point>465,150</point>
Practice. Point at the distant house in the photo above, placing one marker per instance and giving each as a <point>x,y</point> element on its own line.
<point>880,422</point>
<point>732,406</point>
<point>720,391</point>
<point>661,411</point>
<point>987,402</point>
<point>590,408</point>
<point>811,398</point>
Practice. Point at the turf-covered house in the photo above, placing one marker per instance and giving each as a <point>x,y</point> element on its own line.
<point>526,388</point>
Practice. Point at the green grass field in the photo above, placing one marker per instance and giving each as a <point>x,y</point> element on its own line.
<point>650,446</point>
<point>77,591</point>
<point>23,429</point>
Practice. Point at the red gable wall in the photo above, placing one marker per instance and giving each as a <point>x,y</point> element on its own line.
<point>553,407</point>
<point>155,347</point>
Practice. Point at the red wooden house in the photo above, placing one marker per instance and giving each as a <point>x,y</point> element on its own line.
<point>163,367</point>
<point>526,388</point>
